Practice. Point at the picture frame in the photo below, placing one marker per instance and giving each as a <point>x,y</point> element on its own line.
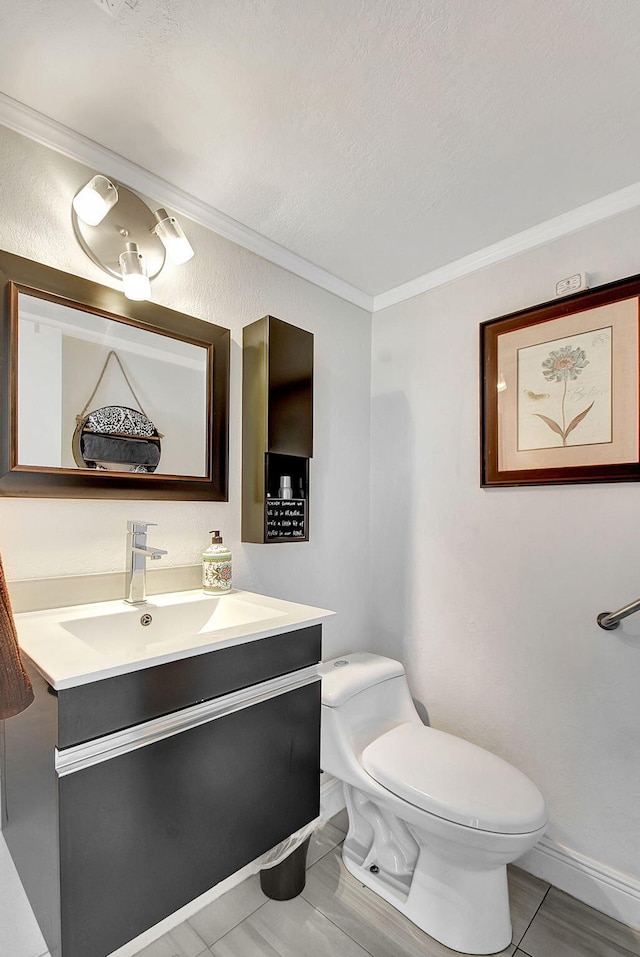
<point>560,392</point>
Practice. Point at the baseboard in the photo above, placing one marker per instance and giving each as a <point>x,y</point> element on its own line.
<point>331,796</point>
<point>609,891</point>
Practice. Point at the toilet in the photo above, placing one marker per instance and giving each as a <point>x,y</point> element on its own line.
<point>433,819</point>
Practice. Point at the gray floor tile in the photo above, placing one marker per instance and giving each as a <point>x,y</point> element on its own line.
<point>19,932</point>
<point>377,926</point>
<point>215,920</point>
<point>565,927</point>
<point>526,893</point>
<point>182,941</point>
<point>340,820</point>
<point>323,839</point>
<point>286,929</point>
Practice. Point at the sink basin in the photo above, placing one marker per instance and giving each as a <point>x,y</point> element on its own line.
<point>82,643</point>
<point>179,618</point>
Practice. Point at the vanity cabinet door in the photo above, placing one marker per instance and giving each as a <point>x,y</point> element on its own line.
<point>145,832</point>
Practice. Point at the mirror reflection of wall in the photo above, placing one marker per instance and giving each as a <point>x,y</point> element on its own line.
<point>61,353</point>
<point>40,393</point>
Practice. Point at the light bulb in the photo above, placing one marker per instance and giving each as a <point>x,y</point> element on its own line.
<point>172,236</point>
<point>134,273</point>
<point>94,200</point>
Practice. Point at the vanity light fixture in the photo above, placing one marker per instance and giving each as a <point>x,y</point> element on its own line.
<point>172,236</point>
<point>121,235</point>
<point>94,200</point>
<point>134,273</point>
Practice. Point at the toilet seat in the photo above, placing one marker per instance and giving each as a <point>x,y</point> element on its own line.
<point>455,780</point>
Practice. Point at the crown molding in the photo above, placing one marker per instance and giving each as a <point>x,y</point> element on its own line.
<point>576,219</point>
<point>36,126</point>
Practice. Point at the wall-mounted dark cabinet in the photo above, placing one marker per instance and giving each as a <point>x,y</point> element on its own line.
<point>277,430</point>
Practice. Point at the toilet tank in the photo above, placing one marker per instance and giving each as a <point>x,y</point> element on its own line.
<point>363,697</point>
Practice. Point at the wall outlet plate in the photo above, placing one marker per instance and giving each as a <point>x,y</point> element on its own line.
<point>576,283</point>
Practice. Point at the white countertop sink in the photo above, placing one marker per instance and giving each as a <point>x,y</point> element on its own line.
<point>81,643</point>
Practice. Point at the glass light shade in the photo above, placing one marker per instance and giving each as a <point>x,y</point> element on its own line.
<point>94,200</point>
<point>134,273</point>
<point>172,236</point>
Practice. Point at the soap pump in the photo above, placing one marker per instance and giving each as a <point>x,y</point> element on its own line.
<point>216,567</point>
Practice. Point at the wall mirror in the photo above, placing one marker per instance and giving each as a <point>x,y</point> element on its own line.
<point>103,397</point>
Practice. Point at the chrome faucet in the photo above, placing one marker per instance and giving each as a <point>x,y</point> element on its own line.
<point>137,554</point>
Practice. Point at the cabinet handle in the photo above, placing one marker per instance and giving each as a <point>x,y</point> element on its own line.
<point>81,756</point>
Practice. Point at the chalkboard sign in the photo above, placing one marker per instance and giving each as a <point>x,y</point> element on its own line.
<point>286,519</point>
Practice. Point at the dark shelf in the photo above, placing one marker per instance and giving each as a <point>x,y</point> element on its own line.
<point>277,429</point>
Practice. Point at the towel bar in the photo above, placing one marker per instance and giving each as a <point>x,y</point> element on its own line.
<point>611,619</point>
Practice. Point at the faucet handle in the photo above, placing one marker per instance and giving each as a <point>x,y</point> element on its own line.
<point>137,527</point>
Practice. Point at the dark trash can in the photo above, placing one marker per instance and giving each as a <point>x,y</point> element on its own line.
<point>286,879</point>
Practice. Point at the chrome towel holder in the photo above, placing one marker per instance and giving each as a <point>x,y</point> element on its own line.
<point>609,620</point>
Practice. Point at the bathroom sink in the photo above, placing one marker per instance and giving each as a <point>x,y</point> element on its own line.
<point>82,643</point>
<point>176,619</point>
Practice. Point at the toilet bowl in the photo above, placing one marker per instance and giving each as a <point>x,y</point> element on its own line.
<point>433,819</point>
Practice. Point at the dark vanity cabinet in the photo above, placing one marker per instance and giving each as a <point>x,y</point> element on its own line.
<point>126,798</point>
<point>277,430</point>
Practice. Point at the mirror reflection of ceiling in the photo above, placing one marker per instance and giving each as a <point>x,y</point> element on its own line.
<point>78,324</point>
<point>378,140</point>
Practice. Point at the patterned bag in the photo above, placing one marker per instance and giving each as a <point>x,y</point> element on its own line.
<point>116,437</point>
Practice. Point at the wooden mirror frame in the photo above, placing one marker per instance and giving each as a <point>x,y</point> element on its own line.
<point>22,275</point>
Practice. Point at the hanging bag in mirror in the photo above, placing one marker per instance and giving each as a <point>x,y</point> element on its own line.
<point>116,437</point>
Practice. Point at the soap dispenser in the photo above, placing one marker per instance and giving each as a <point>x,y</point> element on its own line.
<point>216,567</point>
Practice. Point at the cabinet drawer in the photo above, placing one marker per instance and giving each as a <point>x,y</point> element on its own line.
<point>149,830</point>
<point>101,707</point>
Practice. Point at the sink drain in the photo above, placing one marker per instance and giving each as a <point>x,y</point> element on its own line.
<point>146,620</point>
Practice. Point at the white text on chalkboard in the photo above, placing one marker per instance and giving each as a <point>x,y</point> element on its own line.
<point>286,519</point>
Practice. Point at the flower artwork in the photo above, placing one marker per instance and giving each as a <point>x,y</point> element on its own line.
<point>564,392</point>
<point>563,365</point>
<point>560,395</point>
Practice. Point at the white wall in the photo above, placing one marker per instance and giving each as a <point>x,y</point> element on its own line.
<point>232,287</point>
<point>490,596</point>
<point>39,394</point>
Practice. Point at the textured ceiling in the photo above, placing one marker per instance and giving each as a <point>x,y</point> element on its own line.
<point>378,140</point>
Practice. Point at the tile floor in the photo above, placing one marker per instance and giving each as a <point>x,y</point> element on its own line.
<point>337,917</point>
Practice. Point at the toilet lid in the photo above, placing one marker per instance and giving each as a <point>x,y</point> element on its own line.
<point>455,780</point>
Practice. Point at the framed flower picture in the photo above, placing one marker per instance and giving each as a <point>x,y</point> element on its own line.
<point>559,390</point>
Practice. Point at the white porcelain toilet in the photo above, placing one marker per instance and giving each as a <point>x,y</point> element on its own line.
<point>433,819</point>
